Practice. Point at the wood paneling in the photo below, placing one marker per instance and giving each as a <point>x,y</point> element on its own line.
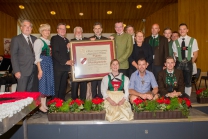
<point>8,29</point>
<point>38,11</point>
<point>195,15</point>
<point>165,17</point>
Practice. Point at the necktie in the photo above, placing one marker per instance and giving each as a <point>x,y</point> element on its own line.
<point>183,50</point>
<point>153,42</point>
<point>30,44</point>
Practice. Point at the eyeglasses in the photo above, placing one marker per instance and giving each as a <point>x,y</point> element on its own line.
<point>62,28</point>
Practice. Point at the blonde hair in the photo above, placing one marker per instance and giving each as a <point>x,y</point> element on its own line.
<point>44,27</point>
<point>139,32</point>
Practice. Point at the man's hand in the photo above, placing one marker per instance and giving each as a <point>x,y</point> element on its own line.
<point>149,96</point>
<point>93,39</point>
<point>173,94</point>
<point>18,75</point>
<point>156,96</point>
<point>70,62</point>
<point>111,37</point>
<point>68,45</point>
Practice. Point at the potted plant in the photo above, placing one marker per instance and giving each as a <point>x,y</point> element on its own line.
<point>202,95</point>
<point>162,108</point>
<point>76,110</point>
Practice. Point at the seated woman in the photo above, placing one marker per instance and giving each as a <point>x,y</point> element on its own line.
<point>170,80</point>
<point>114,88</point>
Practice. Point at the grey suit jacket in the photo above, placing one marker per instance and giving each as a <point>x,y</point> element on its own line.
<point>22,57</point>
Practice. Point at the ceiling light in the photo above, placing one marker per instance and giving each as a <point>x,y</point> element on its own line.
<point>139,6</point>
<point>109,12</point>
<point>124,25</point>
<point>21,7</point>
<point>53,12</point>
<point>81,14</point>
<point>67,26</point>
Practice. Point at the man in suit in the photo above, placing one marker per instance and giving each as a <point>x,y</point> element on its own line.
<point>96,84</point>
<point>75,85</point>
<point>61,61</point>
<point>124,47</point>
<point>130,31</point>
<point>170,80</point>
<point>167,34</point>
<point>23,58</point>
<point>160,49</point>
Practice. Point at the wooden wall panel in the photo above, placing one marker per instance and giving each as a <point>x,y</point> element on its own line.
<point>165,17</point>
<point>8,29</point>
<point>195,15</point>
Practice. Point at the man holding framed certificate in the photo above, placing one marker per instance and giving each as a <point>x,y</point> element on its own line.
<point>96,84</point>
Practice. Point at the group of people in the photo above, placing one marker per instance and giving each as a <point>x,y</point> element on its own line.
<point>43,65</point>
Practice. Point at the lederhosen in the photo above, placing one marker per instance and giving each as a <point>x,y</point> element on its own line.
<point>185,64</point>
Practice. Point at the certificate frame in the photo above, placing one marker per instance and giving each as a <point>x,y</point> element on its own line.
<point>84,61</point>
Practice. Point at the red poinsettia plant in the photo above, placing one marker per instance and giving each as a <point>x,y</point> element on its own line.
<point>202,93</point>
<point>164,104</point>
<point>97,104</point>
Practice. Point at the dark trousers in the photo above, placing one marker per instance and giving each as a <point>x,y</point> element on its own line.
<point>96,89</point>
<point>60,78</point>
<point>156,69</point>
<point>28,83</point>
<point>83,90</point>
<point>124,71</point>
<point>187,69</point>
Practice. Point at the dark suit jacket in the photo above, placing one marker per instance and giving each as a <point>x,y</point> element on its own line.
<point>161,52</point>
<point>5,64</point>
<point>22,57</point>
<point>60,54</point>
<point>101,38</point>
<point>162,82</point>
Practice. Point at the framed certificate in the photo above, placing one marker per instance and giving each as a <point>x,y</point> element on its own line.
<point>91,59</point>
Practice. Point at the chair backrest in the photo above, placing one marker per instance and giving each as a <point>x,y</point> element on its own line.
<point>198,74</point>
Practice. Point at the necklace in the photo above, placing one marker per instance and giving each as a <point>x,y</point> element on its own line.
<point>143,81</point>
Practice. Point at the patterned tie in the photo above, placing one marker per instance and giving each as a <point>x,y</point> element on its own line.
<point>30,44</point>
<point>183,48</point>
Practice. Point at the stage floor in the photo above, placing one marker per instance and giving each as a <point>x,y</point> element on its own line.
<point>193,127</point>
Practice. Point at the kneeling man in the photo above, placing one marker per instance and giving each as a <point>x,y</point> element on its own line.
<point>170,80</point>
<point>141,83</point>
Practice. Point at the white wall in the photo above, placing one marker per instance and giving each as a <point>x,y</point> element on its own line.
<point>71,35</point>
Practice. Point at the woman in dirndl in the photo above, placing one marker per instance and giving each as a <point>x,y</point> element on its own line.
<point>114,88</point>
<point>44,63</point>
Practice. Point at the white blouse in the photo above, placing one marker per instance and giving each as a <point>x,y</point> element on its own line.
<point>38,45</point>
<point>104,85</point>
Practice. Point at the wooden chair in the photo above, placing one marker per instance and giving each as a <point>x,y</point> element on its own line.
<point>195,78</point>
<point>205,78</point>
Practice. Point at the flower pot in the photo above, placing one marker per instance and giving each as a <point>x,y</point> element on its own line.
<point>202,100</point>
<point>81,116</point>
<point>159,115</point>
